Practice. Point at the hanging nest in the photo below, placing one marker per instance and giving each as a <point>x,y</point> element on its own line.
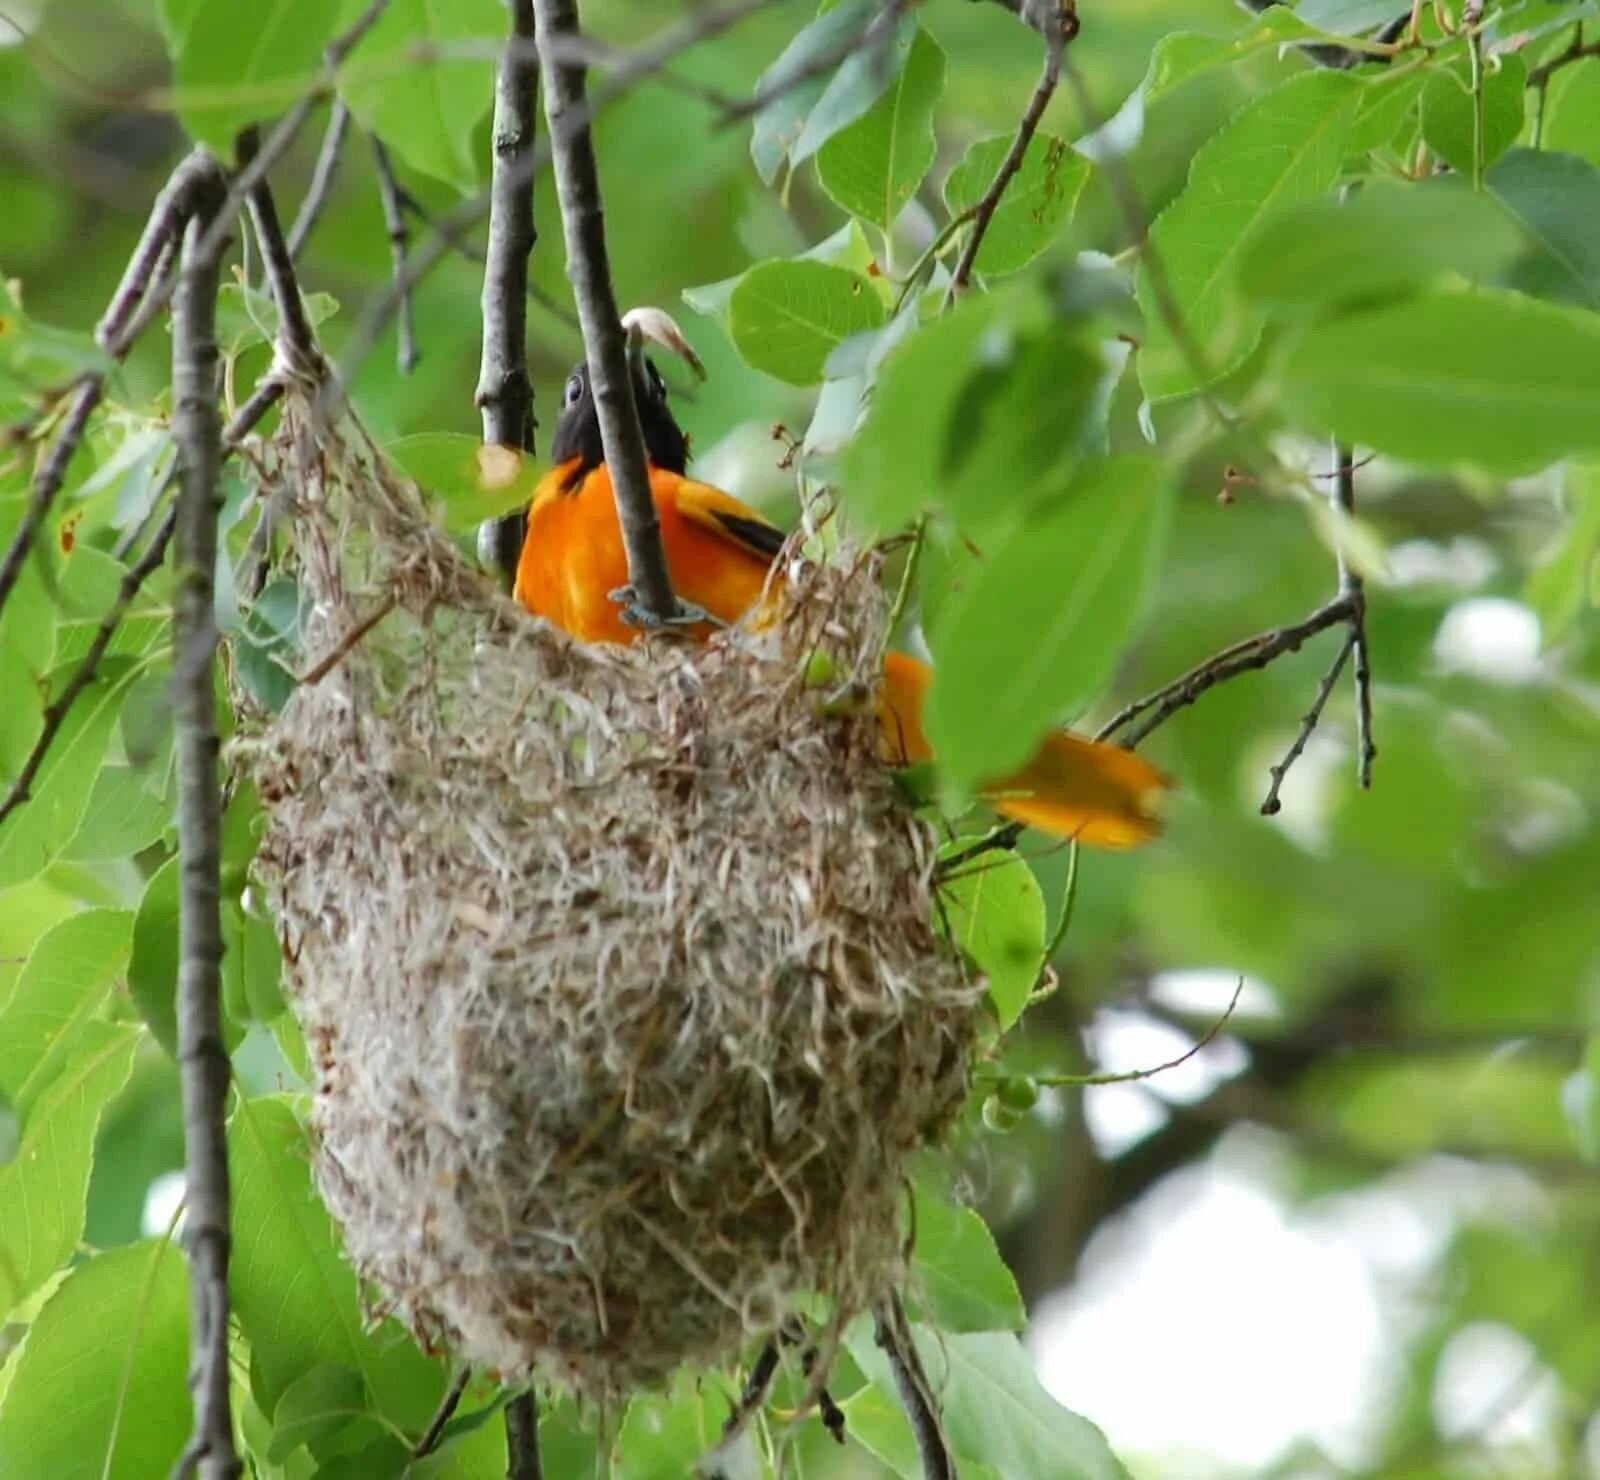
<point>616,966</point>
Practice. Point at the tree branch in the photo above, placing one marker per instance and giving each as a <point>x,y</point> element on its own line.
<point>1242,657</point>
<point>1059,25</point>
<point>505,390</point>
<point>1353,591</point>
<point>1272,806</point>
<point>202,1057</point>
<point>522,1438</point>
<point>322,177</point>
<point>588,266</point>
<point>892,1332</point>
<point>394,221</point>
<point>442,1415</point>
<point>296,344</point>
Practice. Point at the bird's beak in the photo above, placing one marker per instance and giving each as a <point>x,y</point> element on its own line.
<point>659,327</point>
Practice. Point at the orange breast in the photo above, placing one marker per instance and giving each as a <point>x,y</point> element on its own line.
<point>574,558</point>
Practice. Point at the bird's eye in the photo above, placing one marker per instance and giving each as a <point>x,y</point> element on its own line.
<point>574,391</point>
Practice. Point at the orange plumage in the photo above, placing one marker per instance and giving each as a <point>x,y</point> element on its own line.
<point>719,554</point>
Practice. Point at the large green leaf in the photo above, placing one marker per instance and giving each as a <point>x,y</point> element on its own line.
<point>42,1191</point>
<point>1492,380</point>
<point>994,1410</point>
<point>1282,148</point>
<point>1556,198</point>
<point>428,113</point>
<point>996,914</point>
<point>874,167</point>
<point>63,986</point>
<point>233,71</point>
<point>34,835</point>
<point>295,1296</point>
<point>788,317</point>
<point>664,1435</point>
<point>1327,251</point>
<point>809,103</point>
<point>472,482</point>
<point>99,1388</point>
<point>1037,203</point>
<point>153,966</point>
<point>124,816</point>
<point>1037,633</point>
<point>1572,115</point>
<point>958,1266</point>
<point>1449,115</point>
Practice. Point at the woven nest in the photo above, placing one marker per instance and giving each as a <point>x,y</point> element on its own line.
<point>616,966</point>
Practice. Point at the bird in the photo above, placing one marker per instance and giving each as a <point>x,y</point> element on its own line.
<point>573,567</point>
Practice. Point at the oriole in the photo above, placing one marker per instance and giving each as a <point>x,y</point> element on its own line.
<point>719,554</point>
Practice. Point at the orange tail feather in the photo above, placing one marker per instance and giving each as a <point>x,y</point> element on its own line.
<point>1072,788</point>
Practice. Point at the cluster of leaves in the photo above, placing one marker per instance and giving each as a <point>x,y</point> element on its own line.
<point>1400,254</point>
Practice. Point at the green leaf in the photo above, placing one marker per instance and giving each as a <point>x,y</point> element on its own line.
<point>996,914</point>
<point>1556,199</point>
<point>295,1296</point>
<point>230,75</point>
<point>803,115</point>
<point>247,316</point>
<point>1281,148</point>
<point>894,468</point>
<point>124,816</point>
<point>664,1435</point>
<point>1489,379</point>
<point>1572,116</point>
<point>1562,588</point>
<point>472,481</point>
<point>153,965</point>
<point>89,584</point>
<point>874,167</point>
<point>63,986</point>
<point>1448,122</point>
<point>1388,106</point>
<point>847,247</point>
<point>99,1387</point>
<point>37,832</point>
<point>317,1405</point>
<point>10,1130</point>
<point>428,112</point>
<point>1038,632</point>
<point>43,1191</point>
<point>994,1410</point>
<point>1037,203</point>
<point>788,317</point>
<point>966,1281</point>
<point>266,648</point>
<point>1184,55</point>
<point>1325,252</point>
<point>250,961</point>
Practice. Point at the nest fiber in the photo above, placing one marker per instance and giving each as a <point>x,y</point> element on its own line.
<point>615,966</point>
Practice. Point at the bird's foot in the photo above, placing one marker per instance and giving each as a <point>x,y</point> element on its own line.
<point>635,615</point>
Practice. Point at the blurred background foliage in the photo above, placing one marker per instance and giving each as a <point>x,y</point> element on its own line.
<point>1356,1233</point>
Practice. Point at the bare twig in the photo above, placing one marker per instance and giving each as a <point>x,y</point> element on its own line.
<point>754,1392</point>
<point>322,177</point>
<point>892,1332</point>
<point>1272,805</point>
<point>442,1415</point>
<point>1252,653</point>
<point>346,644</point>
<point>649,594</point>
<point>296,345</point>
<point>201,1055</point>
<point>522,1438</point>
<point>505,389</point>
<point>1353,591</point>
<point>394,221</point>
<point>1058,29</point>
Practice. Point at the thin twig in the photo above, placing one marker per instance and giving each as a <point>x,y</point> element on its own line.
<point>394,221</point>
<point>1056,36</point>
<point>1352,591</point>
<point>1272,805</point>
<point>522,1438</point>
<point>754,1392</point>
<point>324,666</point>
<point>505,390</point>
<point>296,345</point>
<point>202,1057</point>
<point>322,177</point>
<point>649,593</point>
<point>442,1415</point>
<point>892,1332</point>
<point>1242,657</point>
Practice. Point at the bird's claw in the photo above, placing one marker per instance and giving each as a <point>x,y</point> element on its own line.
<point>635,615</point>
